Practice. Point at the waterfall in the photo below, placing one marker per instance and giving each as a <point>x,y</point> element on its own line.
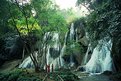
<point>54,55</point>
<point>59,61</point>
<point>61,54</point>
<point>52,49</point>
<point>76,35</point>
<point>63,50</point>
<point>48,57</point>
<point>72,33</point>
<point>27,63</point>
<point>55,46</point>
<point>56,40</point>
<point>87,54</point>
<point>100,60</point>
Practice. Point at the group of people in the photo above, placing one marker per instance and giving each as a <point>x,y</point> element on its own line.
<point>48,68</point>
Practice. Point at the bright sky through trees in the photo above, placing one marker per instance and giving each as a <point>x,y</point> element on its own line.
<point>64,4</point>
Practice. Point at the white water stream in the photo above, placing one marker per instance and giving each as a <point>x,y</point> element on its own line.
<point>54,43</point>
<point>100,60</point>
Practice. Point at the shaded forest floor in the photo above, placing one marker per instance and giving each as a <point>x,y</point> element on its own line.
<point>10,72</point>
<point>30,75</point>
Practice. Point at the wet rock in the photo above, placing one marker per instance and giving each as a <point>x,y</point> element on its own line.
<point>78,58</point>
<point>80,68</point>
<point>116,52</point>
<point>2,61</point>
<point>116,76</point>
<point>11,47</point>
<point>14,51</point>
<point>96,78</point>
<point>107,72</point>
<point>54,53</point>
<point>66,58</point>
<point>84,41</point>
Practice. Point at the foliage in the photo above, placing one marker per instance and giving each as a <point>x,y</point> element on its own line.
<point>22,18</point>
<point>23,75</point>
<point>47,18</point>
<point>92,5</point>
<point>80,23</point>
<point>74,48</point>
<point>104,20</point>
<point>18,75</point>
<point>83,1</point>
<point>65,75</point>
<point>4,17</point>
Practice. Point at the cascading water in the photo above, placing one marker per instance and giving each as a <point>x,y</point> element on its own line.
<point>72,33</point>
<point>55,47</point>
<point>76,35</point>
<point>52,49</point>
<point>27,63</point>
<point>100,60</point>
<point>63,50</point>
<point>59,61</point>
<point>53,55</point>
<point>86,56</point>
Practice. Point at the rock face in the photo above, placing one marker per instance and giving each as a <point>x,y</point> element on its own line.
<point>80,68</point>
<point>2,43</point>
<point>107,72</point>
<point>11,48</point>
<point>84,41</point>
<point>77,58</point>
<point>116,52</point>
<point>15,49</point>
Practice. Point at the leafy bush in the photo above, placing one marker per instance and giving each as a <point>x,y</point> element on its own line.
<point>18,75</point>
<point>66,76</point>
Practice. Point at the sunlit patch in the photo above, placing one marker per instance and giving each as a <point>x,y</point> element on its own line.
<point>23,2</point>
<point>65,4</point>
<point>71,4</point>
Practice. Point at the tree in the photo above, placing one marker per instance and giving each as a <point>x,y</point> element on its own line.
<point>19,18</point>
<point>50,20</point>
<point>22,19</point>
<point>85,3</point>
<point>4,17</point>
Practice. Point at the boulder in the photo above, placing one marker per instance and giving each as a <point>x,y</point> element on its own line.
<point>84,41</point>
<point>107,72</point>
<point>116,52</point>
<point>80,68</point>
